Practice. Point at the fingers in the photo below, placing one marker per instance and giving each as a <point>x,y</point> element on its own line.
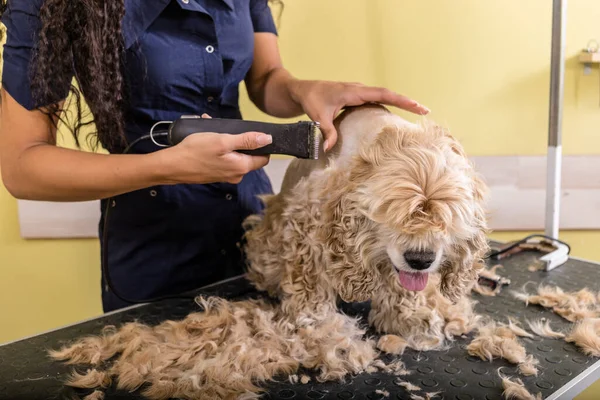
<point>245,164</point>
<point>386,96</point>
<point>257,162</point>
<point>205,115</point>
<point>246,141</point>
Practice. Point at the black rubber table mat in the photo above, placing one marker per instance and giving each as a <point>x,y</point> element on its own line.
<point>27,374</point>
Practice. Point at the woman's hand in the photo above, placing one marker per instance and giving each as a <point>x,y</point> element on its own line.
<point>323,100</point>
<point>214,157</point>
<point>277,93</point>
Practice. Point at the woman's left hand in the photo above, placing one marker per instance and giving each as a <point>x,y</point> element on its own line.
<point>323,100</point>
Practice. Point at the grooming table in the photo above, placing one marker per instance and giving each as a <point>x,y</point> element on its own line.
<point>27,374</point>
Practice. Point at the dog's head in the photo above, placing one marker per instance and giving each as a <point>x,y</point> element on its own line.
<point>408,205</point>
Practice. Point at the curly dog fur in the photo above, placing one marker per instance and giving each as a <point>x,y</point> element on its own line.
<point>393,214</point>
<point>341,227</point>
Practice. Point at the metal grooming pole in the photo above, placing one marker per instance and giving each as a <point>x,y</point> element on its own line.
<point>557,72</point>
<point>554,160</point>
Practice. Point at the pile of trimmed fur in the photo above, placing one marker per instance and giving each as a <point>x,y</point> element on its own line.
<point>230,348</point>
<point>223,352</point>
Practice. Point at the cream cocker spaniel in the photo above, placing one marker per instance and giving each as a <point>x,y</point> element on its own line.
<point>392,205</point>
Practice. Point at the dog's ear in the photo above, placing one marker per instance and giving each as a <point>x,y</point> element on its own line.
<point>461,270</point>
<point>348,238</point>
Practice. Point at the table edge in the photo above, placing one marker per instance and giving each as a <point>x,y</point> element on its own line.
<point>578,384</point>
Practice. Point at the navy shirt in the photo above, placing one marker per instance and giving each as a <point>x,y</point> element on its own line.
<point>182,57</point>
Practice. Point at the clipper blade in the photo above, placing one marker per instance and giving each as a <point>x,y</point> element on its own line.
<point>314,141</point>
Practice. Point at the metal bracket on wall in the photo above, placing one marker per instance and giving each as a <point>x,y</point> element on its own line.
<point>590,56</point>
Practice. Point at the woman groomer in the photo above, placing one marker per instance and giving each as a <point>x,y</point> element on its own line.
<point>175,223</point>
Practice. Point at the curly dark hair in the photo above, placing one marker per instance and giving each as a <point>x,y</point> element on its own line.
<point>82,39</point>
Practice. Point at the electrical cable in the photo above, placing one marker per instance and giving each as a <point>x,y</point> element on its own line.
<point>104,257</point>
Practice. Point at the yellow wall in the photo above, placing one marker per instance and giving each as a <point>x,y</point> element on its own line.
<point>481,66</point>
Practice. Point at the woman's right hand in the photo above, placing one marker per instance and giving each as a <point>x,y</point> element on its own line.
<point>34,168</point>
<point>213,157</point>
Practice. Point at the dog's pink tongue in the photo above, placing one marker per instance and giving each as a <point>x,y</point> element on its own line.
<point>413,280</point>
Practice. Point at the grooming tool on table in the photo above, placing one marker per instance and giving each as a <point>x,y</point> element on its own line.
<point>556,252</point>
<point>301,139</point>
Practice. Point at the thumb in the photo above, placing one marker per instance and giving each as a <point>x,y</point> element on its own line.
<point>249,141</point>
<point>329,133</point>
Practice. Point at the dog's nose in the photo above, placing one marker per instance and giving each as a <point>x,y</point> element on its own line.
<point>419,260</point>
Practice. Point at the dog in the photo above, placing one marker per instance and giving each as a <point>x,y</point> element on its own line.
<point>391,205</point>
<point>394,214</point>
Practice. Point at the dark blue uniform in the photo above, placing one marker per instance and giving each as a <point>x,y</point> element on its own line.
<point>182,57</point>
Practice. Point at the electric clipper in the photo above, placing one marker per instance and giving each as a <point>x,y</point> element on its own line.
<point>301,139</point>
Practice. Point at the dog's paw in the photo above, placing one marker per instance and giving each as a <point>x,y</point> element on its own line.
<point>391,344</point>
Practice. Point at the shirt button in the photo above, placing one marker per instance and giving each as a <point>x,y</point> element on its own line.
<point>210,99</point>
<point>223,251</point>
<point>228,196</point>
<point>209,49</point>
<point>153,193</point>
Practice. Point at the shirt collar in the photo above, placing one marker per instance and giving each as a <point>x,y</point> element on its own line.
<point>139,15</point>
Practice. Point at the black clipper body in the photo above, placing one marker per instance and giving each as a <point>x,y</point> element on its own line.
<point>301,139</point>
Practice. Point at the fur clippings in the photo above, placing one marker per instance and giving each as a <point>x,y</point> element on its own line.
<point>384,393</point>
<point>586,335</point>
<point>542,328</point>
<point>493,341</point>
<point>427,396</point>
<point>89,380</point>
<point>579,307</point>
<point>572,306</point>
<point>515,390</point>
<point>396,367</point>
<point>408,386</point>
<point>391,344</point>
<point>517,329</point>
